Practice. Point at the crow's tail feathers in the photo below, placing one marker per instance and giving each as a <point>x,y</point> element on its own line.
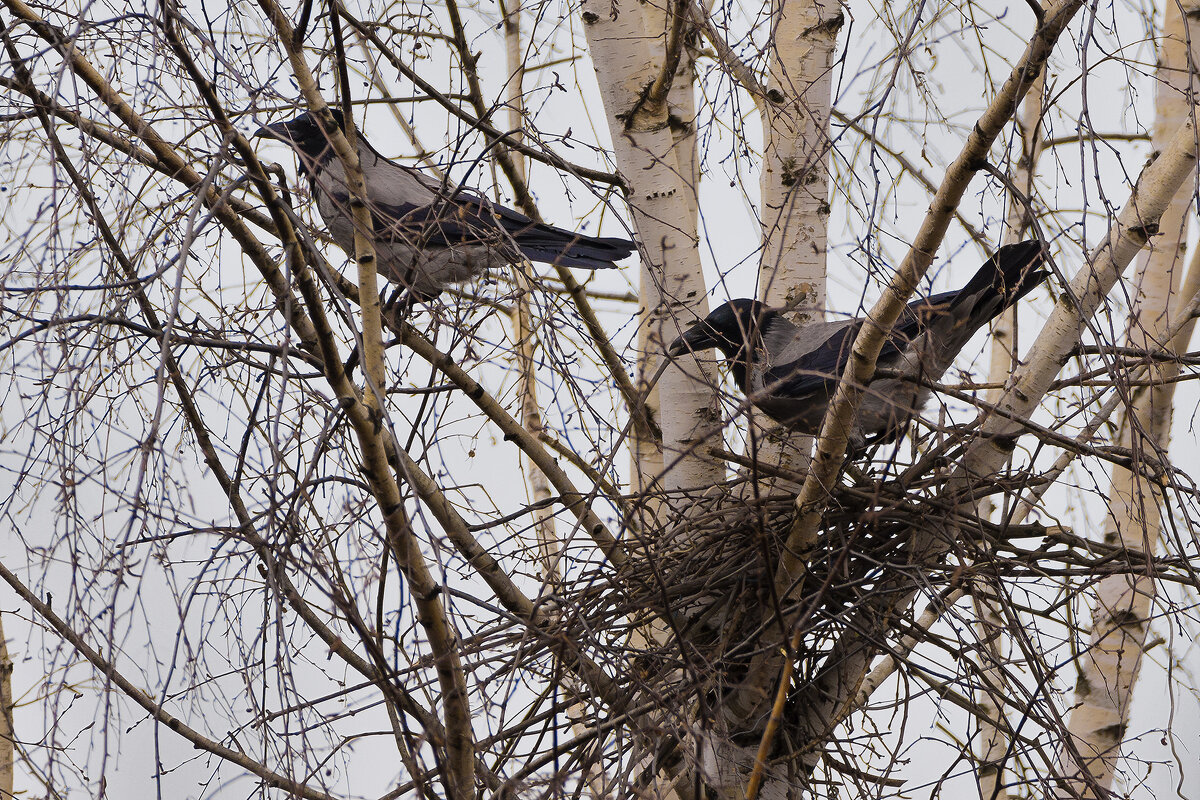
<point>552,245</point>
<point>1010,274</point>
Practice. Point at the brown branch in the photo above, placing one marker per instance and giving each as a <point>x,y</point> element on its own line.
<point>342,142</point>
<point>459,532</point>
<point>175,166</point>
<point>8,735</point>
<point>395,695</point>
<point>575,501</point>
<point>1081,137</point>
<point>204,441</point>
<point>493,133</point>
<point>152,706</point>
<point>94,130</point>
<point>366,419</point>
<point>912,169</point>
<point>846,664</point>
<point>740,70</point>
<point>610,490</point>
<point>205,444</point>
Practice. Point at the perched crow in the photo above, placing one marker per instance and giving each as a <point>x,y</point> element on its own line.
<point>427,235</point>
<point>791,372</point>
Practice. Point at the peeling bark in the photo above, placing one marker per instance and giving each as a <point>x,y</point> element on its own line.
<point>795,170</point>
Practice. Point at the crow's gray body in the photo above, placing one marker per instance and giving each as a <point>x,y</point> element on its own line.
<point>402,246</point>
<point>790,372</point>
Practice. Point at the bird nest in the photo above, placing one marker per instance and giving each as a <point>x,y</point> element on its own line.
<point>709,576</point>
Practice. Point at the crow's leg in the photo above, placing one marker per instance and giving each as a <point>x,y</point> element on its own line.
<point>396,308</point>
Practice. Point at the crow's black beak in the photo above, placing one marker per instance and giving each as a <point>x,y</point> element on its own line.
<point>699,337</point>
<point>279,130</point>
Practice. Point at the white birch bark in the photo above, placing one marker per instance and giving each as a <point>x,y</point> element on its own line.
<point>991,743</point>
<point>1109,666</point>
<point>647,85</point>
<point>795,167</point>
<point>653,145</point>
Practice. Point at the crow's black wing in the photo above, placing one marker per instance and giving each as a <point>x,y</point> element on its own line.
<point>815,372</point>
<point>554,245</point>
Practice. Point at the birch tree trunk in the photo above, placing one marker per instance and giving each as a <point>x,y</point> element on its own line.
<point>654,144</point>
<point>795,168</point>
<point>1108,668</point>
<point>796,106</point>
<point>647,84</point>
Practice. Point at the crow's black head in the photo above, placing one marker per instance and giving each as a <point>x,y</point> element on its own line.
<point>729,328</point>
<point>304,134</point>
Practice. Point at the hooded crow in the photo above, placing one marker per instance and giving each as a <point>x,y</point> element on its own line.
<point>790,372</point>
<point>428,235</point>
